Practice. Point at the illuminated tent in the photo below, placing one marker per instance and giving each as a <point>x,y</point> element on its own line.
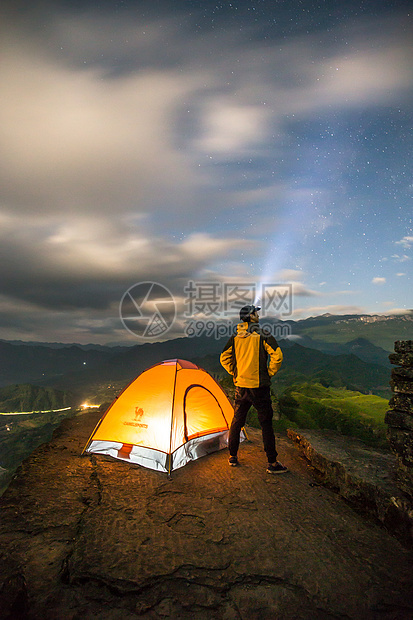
<point>170,414</point>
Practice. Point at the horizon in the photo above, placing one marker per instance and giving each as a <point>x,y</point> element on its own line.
<point>222,148</point>
<point>137,341</point>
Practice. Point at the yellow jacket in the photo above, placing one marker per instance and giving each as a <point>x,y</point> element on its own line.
<point>251,357</point>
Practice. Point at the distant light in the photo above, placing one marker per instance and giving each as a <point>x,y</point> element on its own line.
<point>88,406</point>
<point>84,363</point>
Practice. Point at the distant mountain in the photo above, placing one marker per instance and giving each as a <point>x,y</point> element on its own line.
<point>62,345</point>
<point>26,397</point>
<point>361,347</point>
<point>28,363</point>
<point>340,370</point>
<point>380,330</point>
<point>128,363</point>
<point>367,351</point>
<point>302,364</point>
<point>76,367</point>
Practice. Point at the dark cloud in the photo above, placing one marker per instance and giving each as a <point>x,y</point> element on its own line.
<point>155,144</point>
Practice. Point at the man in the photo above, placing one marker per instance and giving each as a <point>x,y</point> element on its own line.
<point>252,358</point>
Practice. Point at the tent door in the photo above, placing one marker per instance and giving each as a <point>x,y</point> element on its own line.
<point>202,412</point>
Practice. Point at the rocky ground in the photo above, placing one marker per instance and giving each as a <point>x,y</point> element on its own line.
<point>86,537</point>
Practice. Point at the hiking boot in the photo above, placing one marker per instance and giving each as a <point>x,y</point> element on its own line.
<point>233,461</point>
<point>276,469</point>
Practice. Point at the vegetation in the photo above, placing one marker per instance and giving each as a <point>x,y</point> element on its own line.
<point>350,413</point>
<point>26,397</point>
<point>315,406</point>
<point>382,333</point>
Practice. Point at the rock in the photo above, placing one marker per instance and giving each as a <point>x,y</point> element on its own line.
<point>401,442</point>
<point>364,476</point>
<point>403,346</point>
<point>405,374</point>
<point>400,386</point>
<point>94,538</point>
<point>405,478</point>
<point>403,402</point>
<point>401,359</point>
<point>13,596</point>
<point>399,419</point>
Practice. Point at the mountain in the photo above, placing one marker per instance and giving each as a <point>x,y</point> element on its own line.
<point>63,345</point>
<point>302,365</point>
<point>339,371</point>
<point>380,330</point>
<point>29,363</point>
<point>26,397</point>
<point>76,367</point>
<point>361,347</point>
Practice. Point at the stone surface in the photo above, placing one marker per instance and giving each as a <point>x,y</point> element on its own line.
<point>93,538</point>
<point>399,419</point>
<point>401,441</point>
<point>405,478</point>
<point>364,476</point>
<point>401,359</point>
<point>401,386</point>
<point>403,374</point>
<point>403,402</point>
<point>403,346</point>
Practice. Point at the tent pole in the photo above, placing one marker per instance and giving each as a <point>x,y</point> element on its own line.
<point>172,420</point>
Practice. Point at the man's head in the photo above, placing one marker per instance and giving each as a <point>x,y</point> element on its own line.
<point>249,314</point>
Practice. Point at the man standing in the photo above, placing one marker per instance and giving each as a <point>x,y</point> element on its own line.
<point>252,358</point>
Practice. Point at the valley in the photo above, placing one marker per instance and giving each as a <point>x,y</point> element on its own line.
<point>335,375</point>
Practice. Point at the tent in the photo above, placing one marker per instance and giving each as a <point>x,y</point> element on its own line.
<point>172,413</point>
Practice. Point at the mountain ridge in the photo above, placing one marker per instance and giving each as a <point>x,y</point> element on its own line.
<point>75,366</point>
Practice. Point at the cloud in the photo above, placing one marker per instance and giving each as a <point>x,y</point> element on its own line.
<point>378,280</point>
<point>393,310</point>
<point>330,309</point>
<point>294,275</point>
<point>80,142</point>
<point>84,137</point>
<point>136,149</point>
<point>406,242</point>
<point>87,262</point>
<point>300,290</point>
<point>229,128</point>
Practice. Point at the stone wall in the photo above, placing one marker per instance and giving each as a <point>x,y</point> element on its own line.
<point>400,417</point>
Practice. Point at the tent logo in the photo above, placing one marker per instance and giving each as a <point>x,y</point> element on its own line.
<point>147,310</point>
<point>138,413</point>
<point>138,419</point>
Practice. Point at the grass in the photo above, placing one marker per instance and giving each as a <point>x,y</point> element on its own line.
<point>350,413</point>
<point>314,406</point>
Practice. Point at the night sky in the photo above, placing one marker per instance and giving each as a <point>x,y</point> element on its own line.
<point>254,141</point>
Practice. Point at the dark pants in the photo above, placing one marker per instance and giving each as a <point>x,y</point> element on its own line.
<point>260,398</point>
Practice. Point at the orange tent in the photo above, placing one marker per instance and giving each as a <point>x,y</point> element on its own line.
<point>170,414</point>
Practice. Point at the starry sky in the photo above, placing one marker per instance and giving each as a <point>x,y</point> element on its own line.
<point>175,141</point>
